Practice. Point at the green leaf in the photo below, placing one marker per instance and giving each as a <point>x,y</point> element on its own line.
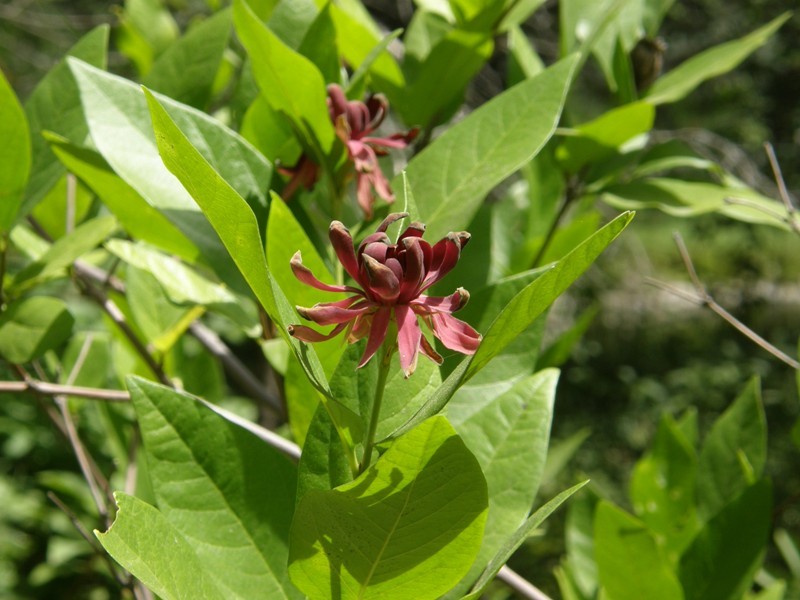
<point>55,105</point>
<point>134,214</point>
<point>120,125</point>
<point>534,299</point>
<point>235,223</point>
<point>145,543</point>
<point>437,89</point>
<point>523,61</point>
<point>519,314</point>
<point>15,155</point>
<point>323,463</point>
<point>724,557</point>
<point>630,563</point>
<point>357,83</point>
<point>684,78</point>
<point>509,435</point>
<point>733,453</point>
<point>67,250</point>
<point>559,352</point>
<point>579,544</point>
<point>517,13</point>
<point>384,535</point>
<point>319,45</point>
<point>291,83</point>
<point>690,198</point>
<point>221,487</point>
<point>32,326</point>
<point>469,159</point>
<point>268,131</point>
<point>600,138</point>
<point>662,488</point>
<point>517,539</point>
<point>182,284</point>
<point>186,70</point>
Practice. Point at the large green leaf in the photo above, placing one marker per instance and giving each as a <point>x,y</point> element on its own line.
<point>66,250</point>
<point>662,488</point>
<point>542,292</point>
<point>630,563</point>
<point>234,221</point>
<point>186,70</point>
<point>32,326</point>
<point>681,80</point>
<point>600,138</point>
<point>291,83</point>
<point>519,313</point>
<point>119,121</point>
<point>733,453</point>
<point>323,463</point>
<point>689,198</point>
<point>509,435</point>
<point>134,214</point>
<point>226,491</point>
<point>147,545</point>
<point>727,552</point>
<point>55,105</point>
<point>463,165</point>
<point>517,539</point>
<point>182,284</point>
<point>385,535</point>
<point>15,155</point>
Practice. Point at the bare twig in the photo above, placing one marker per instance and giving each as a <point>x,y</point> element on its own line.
<point>522,586</point>
<point>776,171</point>
<point>704,298</point>
<point>54,389</point>
<point>787,218</point>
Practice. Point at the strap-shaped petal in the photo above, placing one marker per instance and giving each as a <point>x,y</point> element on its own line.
<point>391,218</point>
<point>383,284</point>
<point>408,338</point>
<point>377,333</point>
<point>426,305</point>
<point>429,351</point>
<point>305,275</point>
<point>455,334</point>
<point>414,271</point>
<point>306,334</point>
<point>445,255</point>
<point>331,313</point>
<point>342,243</point>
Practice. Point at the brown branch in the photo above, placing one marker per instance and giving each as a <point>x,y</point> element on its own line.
<point>54,389</point>
<point>704,298</point>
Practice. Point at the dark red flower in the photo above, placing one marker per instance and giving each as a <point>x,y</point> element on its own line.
<point>353,122</point>
<point>392,278</point>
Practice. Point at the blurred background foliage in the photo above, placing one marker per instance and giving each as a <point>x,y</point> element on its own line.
<point>669,356</point>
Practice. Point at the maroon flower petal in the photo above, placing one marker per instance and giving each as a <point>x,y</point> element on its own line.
<point>377,333</point>
<point>331,313</point>
<point>337,101</point>
<point>414,270</point>
<point>376,105</point>
<point>426,305</point>
<point>364,194</point>
<point>381,184</point>
<point>306,334</point>
<point>416,229</point>
<point>382,281</point>
<point>342,243</point>
<point>454,333</point>
<point>408,337</point>
<point>445,255</point>
<point>429,351</point>
<point>384,142</point>
<point>305,275</point>
<point>392,218</point>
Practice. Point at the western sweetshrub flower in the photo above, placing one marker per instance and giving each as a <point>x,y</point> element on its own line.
<point>392,279</point>
<point>354,122</point>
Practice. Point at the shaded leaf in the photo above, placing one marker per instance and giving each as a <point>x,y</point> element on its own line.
<point>32,326</point>
<point>201,465</point>
<point>15,155</point>
<point>384,535</point>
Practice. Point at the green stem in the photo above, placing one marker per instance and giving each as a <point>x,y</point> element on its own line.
<point>383,372</point>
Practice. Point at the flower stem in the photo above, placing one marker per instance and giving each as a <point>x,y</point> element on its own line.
<point>383,372</point>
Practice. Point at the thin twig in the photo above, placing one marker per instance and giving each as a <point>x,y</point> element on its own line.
<point>54,389</point>
<point>776,171</point>
<point>704,298</point>
<point>788,219</point>
<point>240,374</point>
<point>121,577</point>
<point>522,586</point>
